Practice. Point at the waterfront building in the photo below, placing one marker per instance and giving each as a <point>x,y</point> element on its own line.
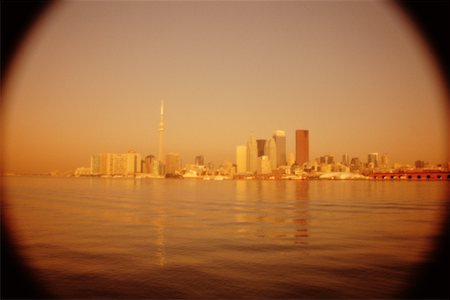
<point>263,165</point>
<point>252,154</point>
<point>172,163</point>
<point>95,164</point>
<point>241,158</point>
<point>149,161</point>
<point>261,145</point>
<point>119,164</point>
<point>271,152</point>
<point>372,160</point>
<point>199,160</point>
<point>419,164</point>
<point>327,159</point>
<point>345,159</point>
<point>301,146</point>
<point>82,171</point>
<point>133,162</point>
<point>291,159</point>
<point>280,140</point>
<point>105,163</point>
<point>116,163</point>
<point>355,164</point>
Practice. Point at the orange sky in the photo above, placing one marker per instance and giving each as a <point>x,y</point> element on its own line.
<point>91,76</point>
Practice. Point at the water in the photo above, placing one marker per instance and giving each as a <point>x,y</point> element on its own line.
<point>126,238</point>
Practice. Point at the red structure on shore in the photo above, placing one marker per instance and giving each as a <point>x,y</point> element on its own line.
<point>411,175</point>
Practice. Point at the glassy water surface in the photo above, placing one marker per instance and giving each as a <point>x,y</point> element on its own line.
<point>126,238</point>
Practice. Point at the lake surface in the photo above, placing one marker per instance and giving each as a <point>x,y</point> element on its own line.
<point>150,238</point>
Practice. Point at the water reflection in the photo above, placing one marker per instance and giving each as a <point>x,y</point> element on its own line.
<point>256,214</point>
<point>301,211</point>
<point>159,222</point>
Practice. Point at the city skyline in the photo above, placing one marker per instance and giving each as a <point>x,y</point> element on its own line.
<point>98,91</point>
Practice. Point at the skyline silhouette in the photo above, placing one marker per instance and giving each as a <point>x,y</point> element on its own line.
<point>90,78</point>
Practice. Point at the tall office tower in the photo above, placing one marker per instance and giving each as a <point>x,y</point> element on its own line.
<point>252,154</point>
<point>280,140</point>
<point>345,159</point>
<point>133,162</point>
<point>148,164</point>
<point>372,159</point>
<point>161,133</point>
<point>261,144</point>
<point>263,165</point>
<point>199,160</point>
<point>301,146</point>
<point>271,152</point>
<point>172,163</point>
<point>241,159</point>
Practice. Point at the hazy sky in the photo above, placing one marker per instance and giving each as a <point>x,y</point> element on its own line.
<point>91,76</point>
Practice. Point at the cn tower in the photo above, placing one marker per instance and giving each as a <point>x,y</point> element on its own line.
<point>161,133</point>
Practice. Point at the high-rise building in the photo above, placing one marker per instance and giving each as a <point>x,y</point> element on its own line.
<point>241,158</point>
<point>261,144</point>
<point>106,163</point>
<point>263,165</point>
<point>133,162</point>
<point>116,163</point>
<point>280,140</point>
<point>271,152</point>
<point>199,160</point>
<point>95,164</point>
<point>345,159</point>
<point>252,154</point>
<point>301,146</point>
<point>372,160</point>
<point>172,163</point>
<point>148,164</point>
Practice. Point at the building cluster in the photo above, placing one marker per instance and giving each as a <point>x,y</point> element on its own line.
<point>269,156</point>
<point>260,158</point>
<point>113,164</point>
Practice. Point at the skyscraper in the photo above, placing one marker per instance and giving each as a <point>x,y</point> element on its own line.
<point>280,140</point>
<point>199,160</point>
<point>301,146</point>
<point>271,152</point>
<point>263,165</point>
<point>241,158</point>
<point>148,164</point>
<point>261,144</point>
<point>372,160</point>
<point>345,159</point>
<point>252,154</point>
<point>172,163</point>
